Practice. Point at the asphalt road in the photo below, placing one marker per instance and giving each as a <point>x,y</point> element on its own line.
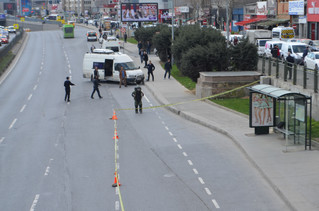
<point>60,156</point>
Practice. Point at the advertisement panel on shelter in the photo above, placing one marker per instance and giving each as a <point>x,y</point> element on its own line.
<point>262,110</point>
<point>313,10</point>
<point>296,7</point>
<point>143,12</point>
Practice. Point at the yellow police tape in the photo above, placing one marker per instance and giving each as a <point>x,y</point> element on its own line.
<point>200,99</point>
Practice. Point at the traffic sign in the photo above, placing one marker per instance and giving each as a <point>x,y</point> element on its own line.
<point>16,26</point>
<point>22,19</point>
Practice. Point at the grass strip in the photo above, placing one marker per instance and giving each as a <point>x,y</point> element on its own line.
<point>5,61</point>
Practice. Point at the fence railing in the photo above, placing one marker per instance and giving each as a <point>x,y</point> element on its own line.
<point>290,72</point>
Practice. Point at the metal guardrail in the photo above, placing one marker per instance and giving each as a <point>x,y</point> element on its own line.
<point>300,75</point>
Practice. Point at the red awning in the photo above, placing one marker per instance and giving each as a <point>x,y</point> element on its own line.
<point>253,20</point>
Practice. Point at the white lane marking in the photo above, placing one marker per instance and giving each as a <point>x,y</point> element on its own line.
<point>117,156</point>
<point>201,180</point>
<point>41,68</point>
<point>40,72</point>
<point>195,171</point>
<point>23,107</point>
<point>151,104</point>
<point>117,205</point>
<point>171,134</point>
<point>13,122</point>
<point>208,191</point>
<point>146,99</point>
<point>38,79</point>
<point>47,170</point>
<point>1,140</point>
<point>159,117</point>
<point>185,154</point>
<point>163,122</point>
<point>166,128</point>
<point>70,71</point>
<point>30,96</point>
<point>35,201</point>
<point>190,162</point>
<point>117,190</point>
<point>175,140</point>
<point>215,203</point>
<point>179,146</point>
<point>35,87</point>
<point>118,165</point>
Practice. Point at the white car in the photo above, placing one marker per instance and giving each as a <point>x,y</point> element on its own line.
<point>11,29</point>
<point>91,36</point>
<point>312,60</point>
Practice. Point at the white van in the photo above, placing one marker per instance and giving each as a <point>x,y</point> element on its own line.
<point>283,33</point>
<point>111,43</point>
<point>296,50</point>
<point>270,45</point>
<point>109,65</point>
<point>260,43</point>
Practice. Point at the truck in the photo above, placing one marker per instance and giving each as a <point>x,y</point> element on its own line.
<point>259,37</point>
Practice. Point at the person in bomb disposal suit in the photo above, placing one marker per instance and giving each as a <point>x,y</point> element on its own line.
<point>137,94</point>
<point>67,85</point>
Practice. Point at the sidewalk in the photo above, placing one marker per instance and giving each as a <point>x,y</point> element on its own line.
<point>292,173</point>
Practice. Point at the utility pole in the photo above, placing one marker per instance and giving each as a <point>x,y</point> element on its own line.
<point>173,20</point>
<point>227,21</point>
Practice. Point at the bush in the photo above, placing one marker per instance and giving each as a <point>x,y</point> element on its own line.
<point>145,34</point>
<point>162,42</point>
<point>244,56</point>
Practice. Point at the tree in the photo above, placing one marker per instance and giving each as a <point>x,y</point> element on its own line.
<point>162,42</point>
<point>244,56</point>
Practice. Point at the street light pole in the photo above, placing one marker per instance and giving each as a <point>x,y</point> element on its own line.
<point>173,20</point>
<point>227,21</point>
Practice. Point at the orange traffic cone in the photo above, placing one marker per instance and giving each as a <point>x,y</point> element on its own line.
<point>115,135</point>
<point>114,117</point>
<point>115,180</point>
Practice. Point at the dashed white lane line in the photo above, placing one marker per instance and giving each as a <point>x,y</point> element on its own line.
<point>70,72</point>
<point>47,170</point>
<point>179,146</point>
<point>30,96</point>
<point>166,128</point>
<point>23,107</point>
<point>40,73</point>
<point>13,122</point>
<point>190,162</point>
<point>185,154</point>
<point>146,99</point>
<point>35,201</point>
<point>35,87</point>
<point>215,203</point>
<point>175,140</point>
<point>2,139</point>
<point>201,180</point>
<point>151,104</point>
<point>208,191</point>
<point>117,205</point>
<point>163,122</point>
<point>170,133</point>
<point>195,171</point>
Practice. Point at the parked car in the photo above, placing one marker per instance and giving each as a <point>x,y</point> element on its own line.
<point>296,49</point>
<point>270,45</point>
<point>11,29</point>
<point>312,60</point>
<point>314,45</point>
<point>91,36</point>
<point>4,39</point>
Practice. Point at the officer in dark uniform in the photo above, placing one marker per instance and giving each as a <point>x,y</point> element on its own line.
<point>96,85</point>
<point>67,85</point>
<point>137,94</point>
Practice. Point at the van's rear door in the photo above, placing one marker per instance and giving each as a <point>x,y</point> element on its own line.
<point>108,67</point>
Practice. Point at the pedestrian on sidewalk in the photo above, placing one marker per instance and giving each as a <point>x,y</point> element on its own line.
<point>137,94</point>
<point>145,58</point>
<point>123,77</point>
<point>290,60</point>
<point>141,55</point>
<point>168,67</point>
<point>96,85</point>
<point>67,85</point>
<point>125,37</point>
<point>139,46</point>
<point>150,69</point>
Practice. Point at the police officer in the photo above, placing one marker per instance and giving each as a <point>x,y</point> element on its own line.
<point>67,85</point>
<point>96,85</point>
<point>137,94</point>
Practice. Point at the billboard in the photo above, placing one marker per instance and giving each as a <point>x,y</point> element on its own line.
<point>313,11</point>
<point>262,110</point>
<point>296,7</point>
<point>261,8</point>
<point>26,7</point>
<point>139,12</point>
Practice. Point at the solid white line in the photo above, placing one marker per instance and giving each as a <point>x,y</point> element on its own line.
<point>208,191</point>
<point>179,146</point>
<point>146,99</point>
<point>175,140</point>
<point>190,162</point>
<point>195,171</point>
<point>1,140</point>
<point>30,96</point>
<point>35,87</point>
<point>201,180</point>
<point>117,205</point>
<point>185,154</point>
<point>166,128</point>
<point>171,134</point>
<point>23,107</point>
<point>35,201</point>
<point>13,122</point>
<point>215,203</point>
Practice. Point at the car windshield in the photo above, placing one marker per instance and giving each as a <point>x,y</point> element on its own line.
<point>299,48</point>
<point>262,42</point>
<point>315,43</point>
<point>279,45</point>
<point>126,66</point>
<point>91,34</point>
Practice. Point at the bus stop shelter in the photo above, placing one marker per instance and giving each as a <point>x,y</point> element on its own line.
<point>287,112</point>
